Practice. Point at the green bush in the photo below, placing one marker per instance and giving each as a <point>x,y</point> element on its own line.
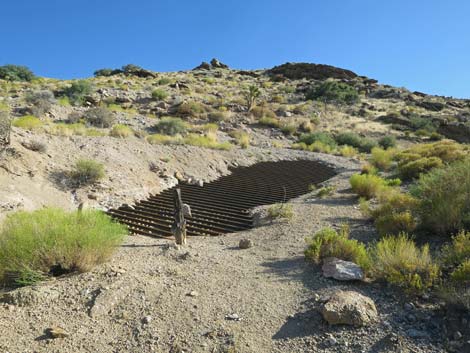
<point>218,116</point>
<point>322,137</point>
<point>158,139</point>
<point>382,158</point>
<point>281,211</point>
<point>333,91</point>
<point>458,250</point>
<point>367,185</point>
<point>387,142</point>
<point>444,196</point>
<point>351,139</point>
<point>422,124</point>
<point>16,73</point>
<point>159,94</point>
<point>329,243</point>
<point>53,241</point>
<point>270,122</point>
<point>398,260</point>
<point>163,81</point>
<point>99,117</point>
<point>395,223</point>
<point>120,130</point>
<point>171,126</point>
<point>208,141</point>
<point>27,122</point>
<point>414,169</point>
<point>77,91</point>
<point>192,109</point>
<point>87,171</point>
<point>104,72</point>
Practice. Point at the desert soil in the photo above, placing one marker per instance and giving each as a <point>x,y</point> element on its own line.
<point>211,296</point>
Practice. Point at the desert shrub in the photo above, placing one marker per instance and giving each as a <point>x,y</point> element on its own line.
<point>326,191</point>
<point>422,158</point>
<point>398,260</point>
<point>207,141</point>
<point>241,137</point>
<point>382,158</point>
<point>347,151</point>
<point>210,127</point>
<point>270,122</point>
<point>87,171</point>
<point>120,130</point>
<point>333,91</point>
<point>349,138</point>
<point>414,169</point>
<point>16,73</point>
<point>158,139</point>
<point>27,122</point>
<point>218,116</point>
<point>387,142</point>
<point>193,109</point>
<point>163,81</point>
<point>63,101</point>
<point>171,126</point>
<point>40,101</point>
<point>368,168</point>
<point>322,137</point>
<point>99,117</point>
<point>281,211</point>
<point>367,185</point>
<point>330,243</point>
<point>263,112</point>
<point>53,241</point>
<point>462,272</point>
<point>444,196</point>
<point>422,124</point>
<point>289,128</point>
<point>395,223</point>
<point>458,250</point>
<point>79,129</point>
<point>74,117</point>
<point>77,91</point>
<point>159,94</point>
<point>104,72</point>
<point>37,146</point>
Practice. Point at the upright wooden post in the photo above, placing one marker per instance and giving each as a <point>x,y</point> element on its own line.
<point>179,225</point>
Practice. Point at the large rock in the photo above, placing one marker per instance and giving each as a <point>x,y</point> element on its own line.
<point>297,71</point>
<point>456,131</point>
<point>342,270</point>
<point>349,308</point>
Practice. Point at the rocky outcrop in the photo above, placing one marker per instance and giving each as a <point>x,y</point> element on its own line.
<point>349,308</point>
<point>297,71</point>
<point>456,131</point>
<point>342,270</point>
<point>432,106</point>
<point>214,64</point>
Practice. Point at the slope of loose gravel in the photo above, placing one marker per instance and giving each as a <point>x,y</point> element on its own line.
<point>153,297</point>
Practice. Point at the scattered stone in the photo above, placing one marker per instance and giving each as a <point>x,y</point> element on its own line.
<point>245,244</point>
<point>109,297</point>
<point>331,340</point>
<point>193,294</point>
<point>349,308</point>
<point>342,270</point>
<point>56,332</point>
<point>457,335</point>
<point>233,317</point>
<point>147,320</point>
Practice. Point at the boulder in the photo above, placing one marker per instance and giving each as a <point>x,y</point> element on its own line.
<point>297,71</point>
<point>432,106</point>
<point>342,270</point>
<point>456,131</point>
<point>245,244</point>
<point>204,66</point>
<point>216,64</point>
<point>349,308</point>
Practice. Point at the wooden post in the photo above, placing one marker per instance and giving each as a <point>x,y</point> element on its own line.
<point>179,225</point>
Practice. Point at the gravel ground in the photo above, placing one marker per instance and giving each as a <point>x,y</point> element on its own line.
<point>210,296</point>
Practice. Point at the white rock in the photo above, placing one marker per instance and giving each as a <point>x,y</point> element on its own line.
<point>342,270</point>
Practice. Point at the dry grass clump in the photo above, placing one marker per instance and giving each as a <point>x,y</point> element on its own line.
<point>382,158</point>
<point>330,243</point>
<point>171,126</point>
<point>208,141</point>
<point>281,211</point>
<point>49,241</point>
<point>242,138</point>
<point>367,185</point>
<point>159,139</point>
<point>192,109</point>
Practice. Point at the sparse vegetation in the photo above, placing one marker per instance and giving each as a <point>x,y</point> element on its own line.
<point>99,117</point>
<point>77,91</point>
<point>398,260</point>
<point>48,242</point>
<point>333,92</point>
<point>251,95</point>
<point>86,172</point>
<point>367,185</point>
<point>28,122</point>
<point>16,73</point>
<point>281,211</point>
<point>159,94</point>
<point>330,243</point>
<point>122,131</point>
<point>171,126</point>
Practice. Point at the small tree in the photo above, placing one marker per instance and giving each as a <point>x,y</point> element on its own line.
<point>251,95</point>
<point>16,73</point>
<point>78,90</point>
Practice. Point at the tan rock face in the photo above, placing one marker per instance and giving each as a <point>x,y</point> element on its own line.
<point>349,308</point>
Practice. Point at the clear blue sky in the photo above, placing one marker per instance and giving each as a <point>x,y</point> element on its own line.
<point>419,44</point>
